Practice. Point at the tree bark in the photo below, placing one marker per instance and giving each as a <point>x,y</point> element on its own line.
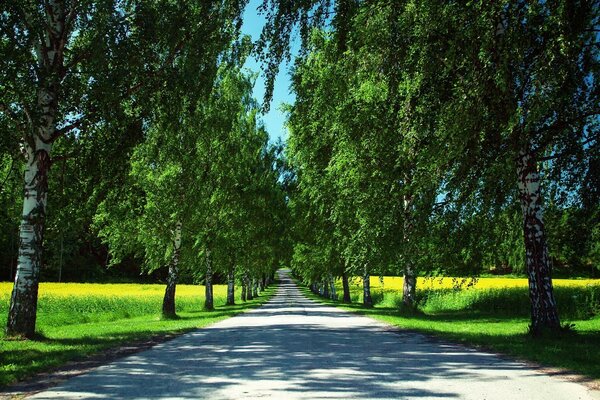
<point>325,284</point>
<point>254,287</point>
<point>346,287</point>
<point>23,302</point>
<point>249,288</point>
<point>544,312</point>
<point>231,286</point>
<point>208,284</point>
<point>49,51</point>
<point>409,287</point>
<point>333,291</point>
<point>367,299</point>
<point>244,288</point>
<point>168,307</point>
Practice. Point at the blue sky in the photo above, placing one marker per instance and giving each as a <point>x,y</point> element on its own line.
<point>274,119</point>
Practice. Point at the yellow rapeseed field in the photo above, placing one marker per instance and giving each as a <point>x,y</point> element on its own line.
<point>396,282</point>
<point>113,290</point>
<point>69,303</point>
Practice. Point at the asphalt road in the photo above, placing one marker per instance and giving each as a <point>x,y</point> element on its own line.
<point>293,348</point>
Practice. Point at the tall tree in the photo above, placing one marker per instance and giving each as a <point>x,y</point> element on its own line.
<point>67,64</point>
<point>522,92</point>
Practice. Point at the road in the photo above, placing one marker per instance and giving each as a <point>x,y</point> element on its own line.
<point>294,348</point>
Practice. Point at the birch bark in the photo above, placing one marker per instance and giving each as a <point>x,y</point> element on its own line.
<point>367,299</point>
<point>38,145</point>
<point>409,286</point>
<point>208,284</point>
<point>544,313</point>
<point>168,307</point>
<point>231,286</point>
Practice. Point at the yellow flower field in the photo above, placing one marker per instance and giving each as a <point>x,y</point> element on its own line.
<point>113,290</point>
<point>396,282</point>
<point>69,303</point>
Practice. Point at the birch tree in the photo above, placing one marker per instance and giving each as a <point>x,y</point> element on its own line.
<point>522,94</point>
<point>65,65</point>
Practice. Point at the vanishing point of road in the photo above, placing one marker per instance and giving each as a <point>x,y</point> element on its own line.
<point>294,348</point>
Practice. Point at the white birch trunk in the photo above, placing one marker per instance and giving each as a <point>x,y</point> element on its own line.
<point>38,146</point>
<point>409,287</point>
<point>231,286</point>
<point>208,284</point>
<point>544,312</point>
<point>23,303</point>
<point>367,299</point>
<point>168,308</point>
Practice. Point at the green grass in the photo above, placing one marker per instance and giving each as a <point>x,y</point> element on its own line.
<point>497,320</point>
<point>78,329</point>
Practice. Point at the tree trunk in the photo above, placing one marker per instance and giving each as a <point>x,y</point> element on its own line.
<point>208,285</point>
<point>409,287</point>
<point>544,313</point>
<point>23,301</point>
<point>231,286</point>
<point>333,292</point>
<point>244,288</point>
<point>255,287</point>
<point>346,287</point>
<point>367,299</point>
<point>168,307</point>
<point>249,288</point>
<point>263,283</point>
<point>49,51</point>
<point>325,284</point>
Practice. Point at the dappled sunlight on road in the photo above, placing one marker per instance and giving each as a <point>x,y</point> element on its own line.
<point>293,348</point>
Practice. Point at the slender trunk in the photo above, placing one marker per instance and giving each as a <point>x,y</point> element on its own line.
<point>367,299</point>
<point>263,283</point>
<point>208,285</point>
<point>168,307</point>
<point>346,287</point>
<point>544,313</point>
<point>333,291</point>
<point>409,287</point>
<point>231,286</point>
<point>249,295</point>
<point>325,284</point>
<point>23,301</point>
<point>244,288</point>
<point>49,51</point>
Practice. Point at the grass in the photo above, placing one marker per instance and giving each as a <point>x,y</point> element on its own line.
<point>495,317</point>
<point>76,321</point>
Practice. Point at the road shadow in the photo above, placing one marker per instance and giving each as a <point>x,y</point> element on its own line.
<point>294,348</point>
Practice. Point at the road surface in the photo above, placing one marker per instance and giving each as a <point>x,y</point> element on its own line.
<point>294,348</point>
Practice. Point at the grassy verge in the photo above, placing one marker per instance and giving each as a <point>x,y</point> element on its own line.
<point>496,331</point>
<point>66,334</point>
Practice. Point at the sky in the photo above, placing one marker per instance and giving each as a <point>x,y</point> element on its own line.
<point>274,120</point>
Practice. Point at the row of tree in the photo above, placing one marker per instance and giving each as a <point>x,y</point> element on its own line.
<point>419,141</point>
<point>426,134</point>
<point>142,113</point>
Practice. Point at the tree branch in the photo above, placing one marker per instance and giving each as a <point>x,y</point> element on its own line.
<point>566,152</point>
<point>66,129</point>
